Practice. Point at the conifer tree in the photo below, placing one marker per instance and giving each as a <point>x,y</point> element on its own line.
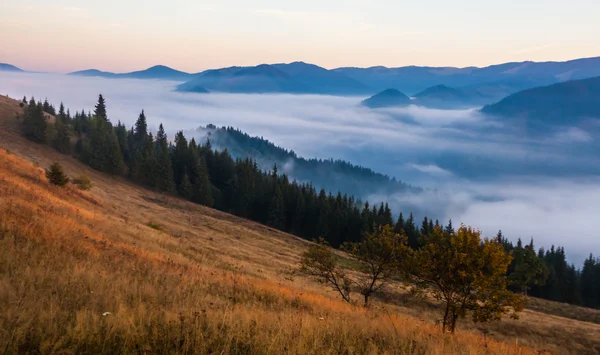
<point>277,209</point>
<point>56,175</point>
<point>202,189</point>
<point>34,122</point>
<point>100,108</point>
<point>185,188</point>
<point>164,168</point>
<point>399,228</point>
<point>62,115</point>
<point>62,140</point>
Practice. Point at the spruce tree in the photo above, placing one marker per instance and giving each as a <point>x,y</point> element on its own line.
<point>164,168</point>
<point>34,122</point>
<point>62,140</point>
<point>100,108</point>
<point>113,161</point>
<point>185,188</point>
<point>56,175</point>
<point>202,189</point>
<point>276,218</point>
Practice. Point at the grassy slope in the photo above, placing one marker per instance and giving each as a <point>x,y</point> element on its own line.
<point>200,281</point>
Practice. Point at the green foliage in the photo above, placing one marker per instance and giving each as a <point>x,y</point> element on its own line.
<point>467,274</point>
<point>56,175</point>
<point>527,269</point>
<point>202,189</point>
<point>381,255</point>
<point>83,182</point>
<point>320,263</point>
<point>185,188</point>
<point>62,140</point>
<point>164,168</point>
<point>34,122</point>
<point>154,226</point>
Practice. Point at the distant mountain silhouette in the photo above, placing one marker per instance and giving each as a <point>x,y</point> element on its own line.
<point>514,76</point>
<point>94,72</point>
<point>387,98</point>
<point>567,103</point>
<point>263,78</point>
<point>9,67</point>
<point>444,97</point>
<point>323,81</point>
<point>159,72</point>
<point>297,77</point>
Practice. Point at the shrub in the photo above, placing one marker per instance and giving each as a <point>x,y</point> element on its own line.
<point>83,182</point>
<point>56,175</point>
<point>155,226</point>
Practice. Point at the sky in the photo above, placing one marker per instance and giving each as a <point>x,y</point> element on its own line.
<point>547,189</point>
<point>193,35</point>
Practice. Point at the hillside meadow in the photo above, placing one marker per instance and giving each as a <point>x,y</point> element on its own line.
<point>121,269</point>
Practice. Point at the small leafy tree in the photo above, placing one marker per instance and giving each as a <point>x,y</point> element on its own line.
<point>83,182</point>
<point>467,274</point>
<point>56,175</point>
<point>320,263</point>
<point>381,256</point>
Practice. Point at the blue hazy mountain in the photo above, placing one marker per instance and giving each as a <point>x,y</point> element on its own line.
<point>388,98</point>
<point>513,76</point>
<point>445,97</point>
<point>567,104</point>
<point>9,67</point>
<point>263,78</point>
<point>159,72</point>
<point>323,81</point>
<point>297,77</point>
<point>94,73</point>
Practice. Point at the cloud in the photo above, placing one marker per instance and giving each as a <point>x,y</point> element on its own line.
<point>480,172</point>
<point>431,169</point>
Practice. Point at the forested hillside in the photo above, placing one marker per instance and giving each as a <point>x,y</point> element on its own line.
<point>328,174</point>
<point>214,178</point>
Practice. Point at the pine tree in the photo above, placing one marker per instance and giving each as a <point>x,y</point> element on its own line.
<point>590,290</point>
<point>399,224</point>
<point>56,175</point>
<point>114,159</point>
<point>277,210</point>
<point>62,115</point>
<point>100,108</point>
<point>449,229</point>
<point>34,122</point>
<point>202,189</point>
<point>185,188</point>
<point>62,140</point>
<point>164,168</point>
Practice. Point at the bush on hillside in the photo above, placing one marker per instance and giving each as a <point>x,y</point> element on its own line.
<point>83,182</point>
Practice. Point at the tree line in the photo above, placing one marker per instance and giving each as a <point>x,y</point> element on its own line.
<point>199,173</point>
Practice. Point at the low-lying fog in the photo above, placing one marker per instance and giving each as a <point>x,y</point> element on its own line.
<point>489,174</point>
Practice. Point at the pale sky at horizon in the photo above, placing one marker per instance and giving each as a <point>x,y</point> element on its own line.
<point>126,35</point>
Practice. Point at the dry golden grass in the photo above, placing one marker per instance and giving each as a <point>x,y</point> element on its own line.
<point>195,281</point>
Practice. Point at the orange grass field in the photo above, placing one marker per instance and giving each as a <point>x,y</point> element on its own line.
<point>121,269</point>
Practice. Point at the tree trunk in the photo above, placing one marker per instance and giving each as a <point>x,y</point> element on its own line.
<point>453,325</point>
<point>446,317</point>
<point>366,299</point>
